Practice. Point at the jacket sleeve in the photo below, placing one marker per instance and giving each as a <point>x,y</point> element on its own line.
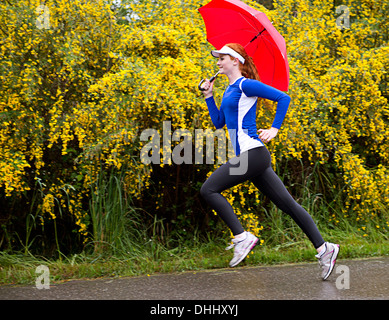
<point>217,116</point>
<point>254,88</point>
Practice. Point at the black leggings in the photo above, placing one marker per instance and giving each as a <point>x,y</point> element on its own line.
<point>255,165</point>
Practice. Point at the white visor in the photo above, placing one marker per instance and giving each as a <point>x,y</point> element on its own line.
<point>229,51</point>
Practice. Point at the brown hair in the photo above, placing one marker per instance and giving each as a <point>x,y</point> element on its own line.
<point>248,69</point>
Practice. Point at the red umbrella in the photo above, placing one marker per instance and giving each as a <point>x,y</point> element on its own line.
<point>229,21</point>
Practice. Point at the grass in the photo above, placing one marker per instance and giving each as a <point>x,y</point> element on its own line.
<point>19,268</point>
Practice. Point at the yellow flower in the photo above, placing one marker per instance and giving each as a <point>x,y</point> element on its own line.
<point>48,205</point>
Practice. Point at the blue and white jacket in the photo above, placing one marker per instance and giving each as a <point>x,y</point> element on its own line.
<point>238,111</point>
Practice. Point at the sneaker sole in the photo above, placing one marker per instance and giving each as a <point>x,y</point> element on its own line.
<point>333,261</point>
<point>246,252</point>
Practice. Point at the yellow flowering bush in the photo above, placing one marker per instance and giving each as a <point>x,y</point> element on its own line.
<point>80,81</point>
<point>340,96</point>
<point>50,55</point>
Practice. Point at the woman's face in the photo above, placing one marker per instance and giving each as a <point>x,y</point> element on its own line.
<point>226,64</point>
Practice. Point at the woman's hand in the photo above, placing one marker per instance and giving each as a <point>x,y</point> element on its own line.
<point>267,134</point>
<point>208,88</point>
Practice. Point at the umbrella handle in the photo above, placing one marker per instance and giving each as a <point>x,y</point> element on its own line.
<point>210,80</point>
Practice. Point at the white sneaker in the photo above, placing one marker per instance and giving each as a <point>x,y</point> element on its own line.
<point>242,248</point>
<point>328,258</point>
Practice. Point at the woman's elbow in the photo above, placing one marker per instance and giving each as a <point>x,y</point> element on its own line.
<point>285,97</point>
<point>217,123</point>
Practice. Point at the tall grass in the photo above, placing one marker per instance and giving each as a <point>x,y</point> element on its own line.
<point>117,226</point>
<point>35,216</point>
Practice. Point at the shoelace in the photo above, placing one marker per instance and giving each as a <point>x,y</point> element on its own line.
<point>322,264</point>
<point>230,246</point>
<point>234,243</point>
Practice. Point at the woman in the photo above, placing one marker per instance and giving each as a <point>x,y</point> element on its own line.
<point>238,112</point>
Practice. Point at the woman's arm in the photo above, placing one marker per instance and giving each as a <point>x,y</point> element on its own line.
<point>216,115</point>
<point>253,88</point>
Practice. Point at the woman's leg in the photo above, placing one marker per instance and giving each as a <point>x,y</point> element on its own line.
<point>211,190</point>
<point>249,163</point>
<point>236,171</point>
<point>271,185</point>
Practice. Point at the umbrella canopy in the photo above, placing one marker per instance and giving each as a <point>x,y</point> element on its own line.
<point>232,21</point>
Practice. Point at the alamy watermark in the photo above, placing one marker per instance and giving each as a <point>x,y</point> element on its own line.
<point>43,279</point>
<point>343,21</point>
<point>343,280</point>
<point>43,17</point>
<point>190,149</point>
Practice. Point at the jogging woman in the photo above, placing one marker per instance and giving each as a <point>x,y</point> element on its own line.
<point>238,112</point>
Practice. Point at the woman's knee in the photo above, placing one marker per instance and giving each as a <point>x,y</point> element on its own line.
<point>205,191</point>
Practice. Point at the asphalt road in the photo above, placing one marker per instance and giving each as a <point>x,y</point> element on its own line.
<point>351,280</point>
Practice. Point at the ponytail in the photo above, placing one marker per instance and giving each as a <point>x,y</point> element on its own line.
<point>248,69</point>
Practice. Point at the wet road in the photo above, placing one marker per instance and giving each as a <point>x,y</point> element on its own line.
<point>351,280</point>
